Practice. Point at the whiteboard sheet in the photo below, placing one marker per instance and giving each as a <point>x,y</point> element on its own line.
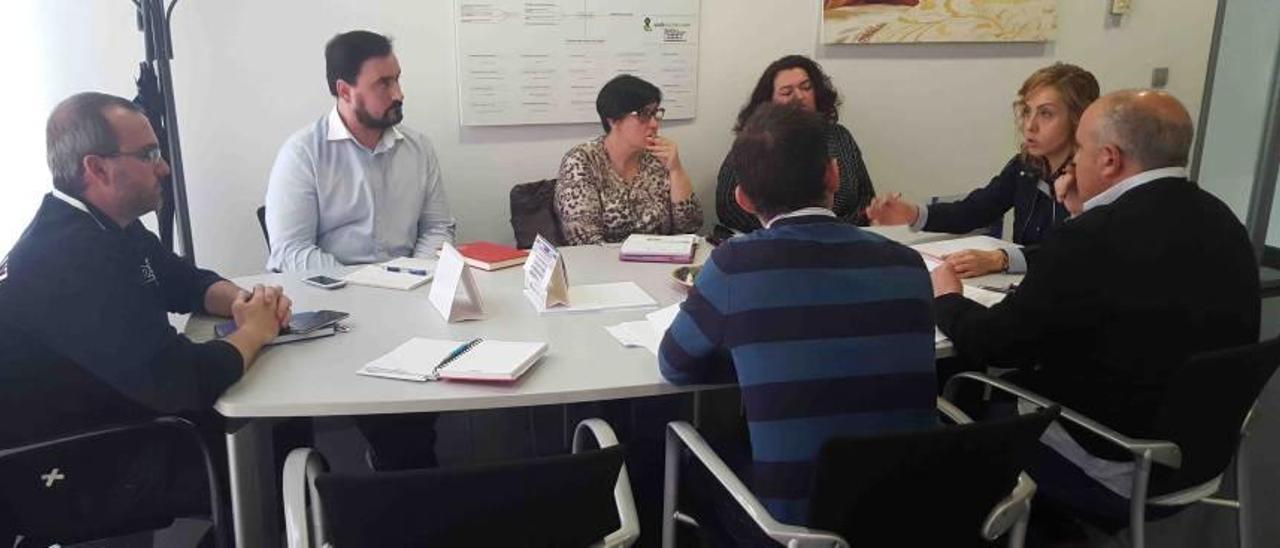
<point>544,61</point>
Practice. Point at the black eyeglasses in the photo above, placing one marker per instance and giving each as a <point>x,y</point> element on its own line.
<point>650,114</point>
<point>149,155</point>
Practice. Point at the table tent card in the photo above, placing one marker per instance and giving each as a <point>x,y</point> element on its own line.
<point>547,286</point>
<point>546,283</point>
<point>452,272</point>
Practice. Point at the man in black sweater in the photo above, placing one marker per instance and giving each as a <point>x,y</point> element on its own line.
<point>85,339</point>
<point>1152,270</point>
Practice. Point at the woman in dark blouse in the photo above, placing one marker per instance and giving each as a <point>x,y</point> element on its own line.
<point>798,79</point>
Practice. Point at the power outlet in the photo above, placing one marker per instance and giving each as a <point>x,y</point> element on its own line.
<point>1121,7</point>
<point>1159,77</point>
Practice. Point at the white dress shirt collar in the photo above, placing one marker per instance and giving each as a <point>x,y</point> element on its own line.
<point>1112,194</point>
<point>338,132</point>
<point>78,204</point>
<point>802,212</point>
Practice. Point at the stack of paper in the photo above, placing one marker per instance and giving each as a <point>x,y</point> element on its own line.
<point>659,249</point>
<point>588,298</point>
<point>645,333</point>
<point>403,273</point>
<point>946,247</point>
<point>934,252</point>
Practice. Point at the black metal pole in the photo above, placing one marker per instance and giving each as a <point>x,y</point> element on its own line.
<point>159,46</point>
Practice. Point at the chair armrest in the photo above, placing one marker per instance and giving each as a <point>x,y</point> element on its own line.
<point>298,486</point>
<point>599,430</point>
<point>683,433</point>
<point>952,412</point>
<point>1010,510</point>
<point>1161,451</point>
<point>628,518</point>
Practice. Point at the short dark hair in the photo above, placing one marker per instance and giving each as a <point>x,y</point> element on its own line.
<point>826,98</point>
<point>346,52</point>
<point>780,156</point>
<point>78,127</point>
<point>623,95</point>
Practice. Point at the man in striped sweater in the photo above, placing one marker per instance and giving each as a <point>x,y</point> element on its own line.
<point>829,328</point>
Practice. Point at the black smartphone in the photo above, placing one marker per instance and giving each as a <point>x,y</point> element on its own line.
<point>300,323</point>
<point>325,282</point>
<point>306,322</point>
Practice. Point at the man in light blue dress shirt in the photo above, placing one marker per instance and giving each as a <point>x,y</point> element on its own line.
<point>355,186</point>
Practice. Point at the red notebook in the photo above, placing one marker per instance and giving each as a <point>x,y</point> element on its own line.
<point>491,256</point>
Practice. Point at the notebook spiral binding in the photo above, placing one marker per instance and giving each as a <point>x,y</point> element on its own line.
<point>435,373</point>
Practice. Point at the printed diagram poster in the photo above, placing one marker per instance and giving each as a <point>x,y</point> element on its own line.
<point>543,62</point>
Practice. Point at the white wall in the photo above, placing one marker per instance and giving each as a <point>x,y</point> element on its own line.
<point>931,119</point>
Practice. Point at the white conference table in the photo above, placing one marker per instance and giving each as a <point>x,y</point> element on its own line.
<point>317,378</point>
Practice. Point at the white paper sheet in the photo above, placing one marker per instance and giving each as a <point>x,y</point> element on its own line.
<point>589,298</point>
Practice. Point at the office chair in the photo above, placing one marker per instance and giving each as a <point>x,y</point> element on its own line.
<point>950,486</point>
<point>1195,442</point>
<point>262,223</point>
<point>533,212</point>
<point>579,499</point>
<point>94,485</point>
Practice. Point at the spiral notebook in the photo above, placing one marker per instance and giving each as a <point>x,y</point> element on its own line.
<point>421,359</point>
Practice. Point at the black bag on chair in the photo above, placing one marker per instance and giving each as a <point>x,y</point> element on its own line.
<point>533,212</point>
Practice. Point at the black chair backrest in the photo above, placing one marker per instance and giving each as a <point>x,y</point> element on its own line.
<point>106,483</point>
<point>262,223</point>
<point>533,212</point>
<point>561,500</point>
<point>1204,407</point>
<point>925,488</point>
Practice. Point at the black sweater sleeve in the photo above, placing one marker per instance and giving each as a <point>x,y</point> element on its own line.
<point>1057,297</point>
<point>188,376</point>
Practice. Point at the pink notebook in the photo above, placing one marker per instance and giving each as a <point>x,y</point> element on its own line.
<point>651,248</point>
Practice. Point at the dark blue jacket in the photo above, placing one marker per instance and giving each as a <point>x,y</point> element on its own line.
<point>1018,186</point>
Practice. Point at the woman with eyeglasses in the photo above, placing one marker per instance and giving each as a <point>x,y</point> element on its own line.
<point>798,79</point>
<point>1048,109</point>
<point>630,180</point>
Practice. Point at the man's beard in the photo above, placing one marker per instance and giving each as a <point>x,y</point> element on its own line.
<point>390,118</point>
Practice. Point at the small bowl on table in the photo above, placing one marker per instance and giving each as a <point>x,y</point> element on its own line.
<point>685,275</point>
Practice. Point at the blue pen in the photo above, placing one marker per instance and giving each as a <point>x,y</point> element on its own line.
<point>414,271</point>
<point>453,355</point>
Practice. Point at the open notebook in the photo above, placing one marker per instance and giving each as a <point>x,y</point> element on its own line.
<point>421,359</point>
<point>403,273</point>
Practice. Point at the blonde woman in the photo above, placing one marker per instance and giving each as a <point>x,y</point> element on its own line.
<point>1048,109</point>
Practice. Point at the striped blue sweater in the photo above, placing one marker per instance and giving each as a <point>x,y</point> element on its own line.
<point>829,329</point>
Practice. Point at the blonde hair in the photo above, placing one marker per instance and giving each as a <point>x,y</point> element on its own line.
<point>1076,86</point>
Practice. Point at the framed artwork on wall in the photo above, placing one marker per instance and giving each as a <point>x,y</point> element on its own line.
<point>909,21</point>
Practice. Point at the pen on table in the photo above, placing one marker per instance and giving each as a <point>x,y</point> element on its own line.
<point>999,289</point>
<point>414,271</point>
<point>460,349</point>
<point>453,354</point>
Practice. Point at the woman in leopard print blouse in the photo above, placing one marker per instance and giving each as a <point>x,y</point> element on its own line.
<point>629,181</point>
